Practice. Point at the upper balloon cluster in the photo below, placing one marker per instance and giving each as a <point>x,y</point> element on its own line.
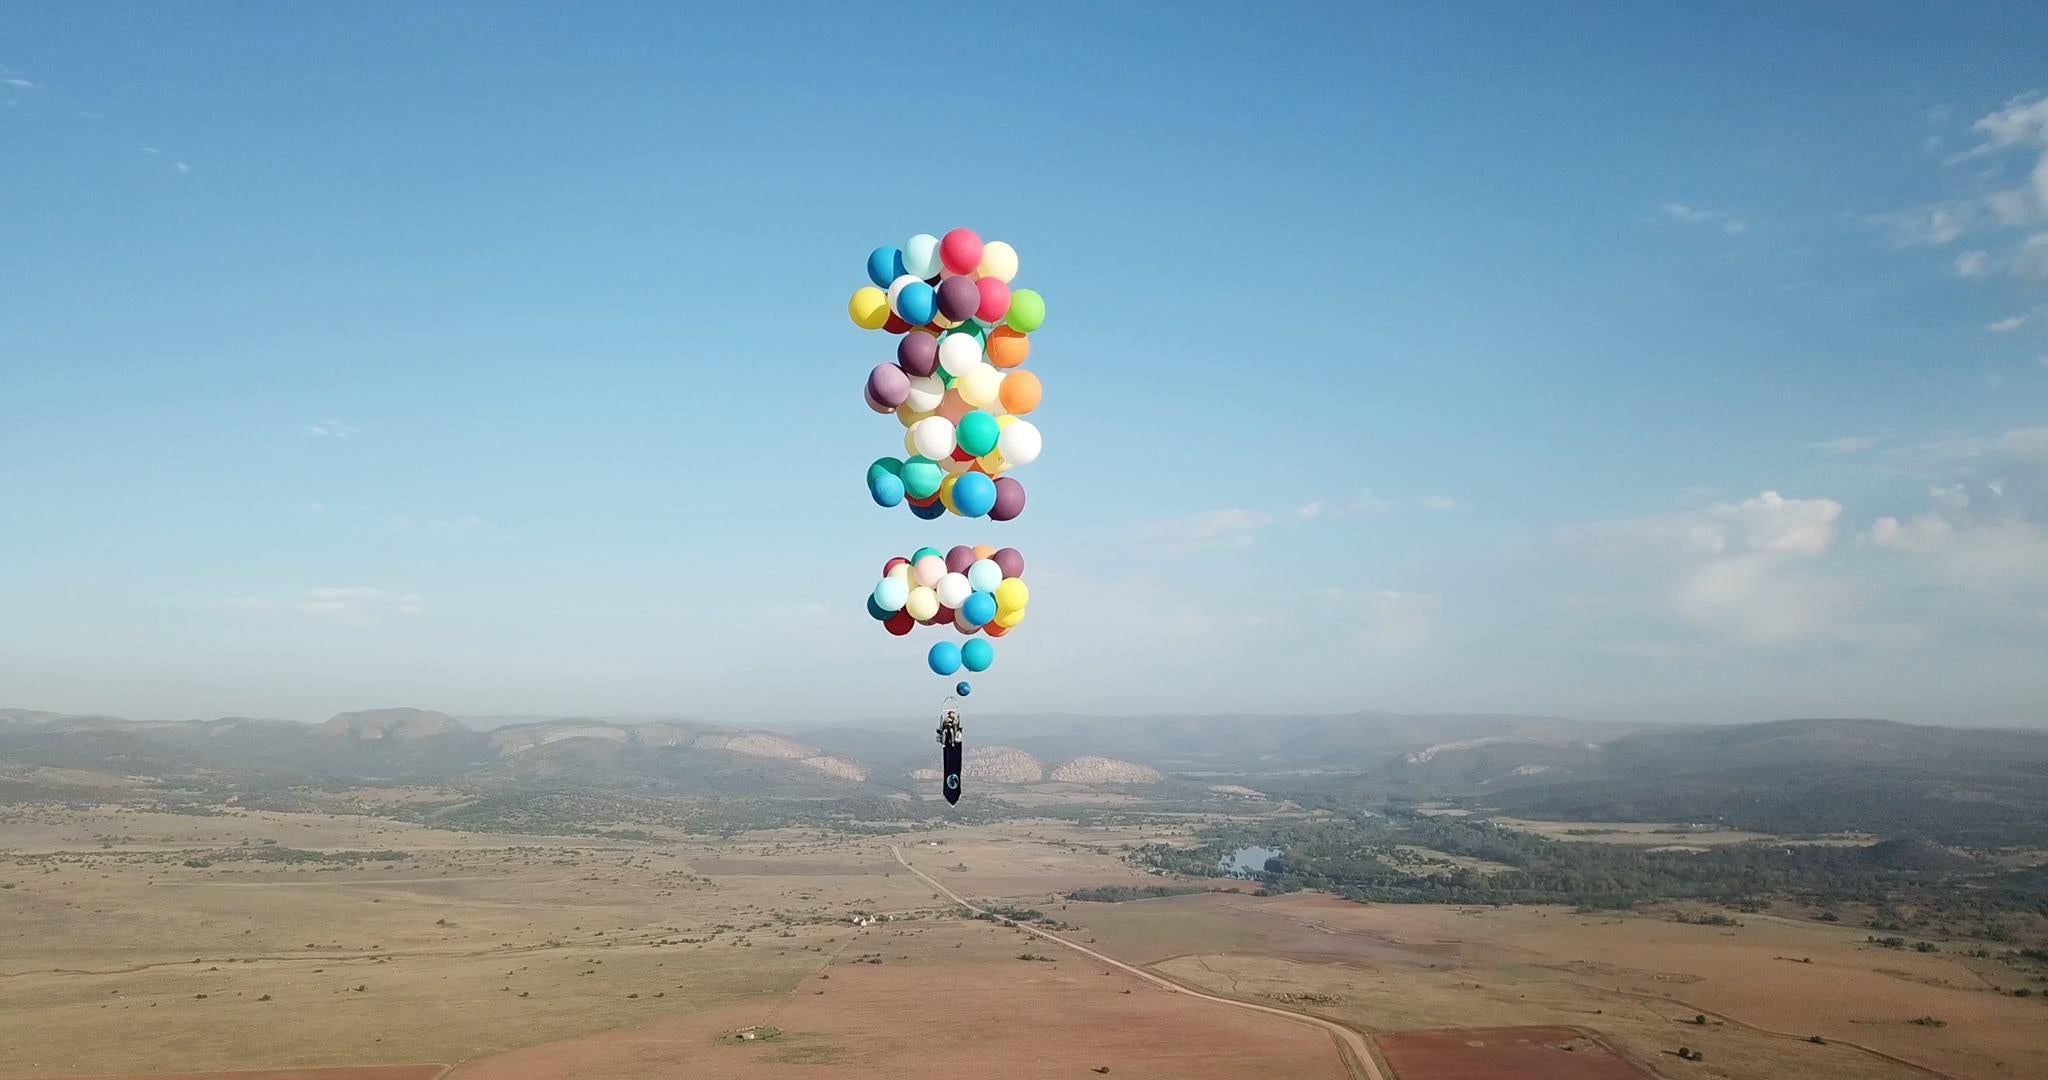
<point>956,384</point>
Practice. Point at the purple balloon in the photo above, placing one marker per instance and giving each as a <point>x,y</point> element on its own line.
<point>888,385</point>
<point>1010,559</point>
<point>958,298</point>
<point>918,353</point>
<point>1009,503</point>
<point>959,559</point>
<point>869,397</point>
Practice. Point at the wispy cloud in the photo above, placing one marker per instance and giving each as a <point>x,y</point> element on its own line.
<point>1439,502</point>
<point>357,605</point>
<point>332,429</point>
<point>1973,264</point>
<point>1844,444</point>
<point>2009,324</point>
<point>1727,220</point>
<point>149,149</point>
<point>20,84</point>
<point>1364,502</point>
<point>2012,139</point>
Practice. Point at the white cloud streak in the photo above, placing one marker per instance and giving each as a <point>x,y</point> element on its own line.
<point>353,605</point>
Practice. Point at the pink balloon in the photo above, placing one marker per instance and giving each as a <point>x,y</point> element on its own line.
<point>952,408</point>
<point>995,300</point>
<point>928,570</point>
<point>960,251</point>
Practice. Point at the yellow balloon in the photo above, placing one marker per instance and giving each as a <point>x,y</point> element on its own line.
<point>1011,595</point>
<point>869,307</point>
<point>909,419</point>
<point>992,462</point>
<point>1005,420</point>
<point>946,493</point>
<point>1007,619</point>
<point>943,323</point>
<point>923,603</point>
<point>901,572</point>
<point>998,260</point>
<point>981,385</point>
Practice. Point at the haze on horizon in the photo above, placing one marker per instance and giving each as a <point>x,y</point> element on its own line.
<point>495,362</point>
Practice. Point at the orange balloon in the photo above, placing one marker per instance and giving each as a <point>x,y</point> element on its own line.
<point>1007,348</point>
<point>992,630</point>
<point>983,551</point>
<point>1020,392</point>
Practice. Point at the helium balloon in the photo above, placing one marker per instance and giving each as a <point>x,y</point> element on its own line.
<point>928,568</point>
<point>959,299</point>
<point>959,353</point>
<point>960,251</point>
<point>924,551</point>
<point>885,265</point>
<point>930,511</point>
<point>890,594</point>
<point>983,575</point>
<point>959,559</point>
<point>1020,442</point>
<point>888,386</point>
<point>1009,499</point>
<point>1008,619</point>
<point>894,562</point>
<point>992,300</point>
<point>977,432</point>
<point>918,353</point>
<point>963,688</point>
<point>977,655</point>
<point>998,261</point>
<point>869,307</point>
<point>953,406</point>
<point>993,629</point>
<point>946,488</point>
<point>946,617</point>
<point>953,590</point>
<point>974,494</point>
<point>887,465</point>
<point>1027,311</point>
<point>979,609</point>
<point>934,437</point>
<point>954,466</point>
<point>983,551</point>
<point>925,394</point>
<point>875,611</point>
<point>921,256</point>
<point>1007,348</point>
<point>944,658</point>
<point>982,385</point>
<point>894,324</point>
<point>921,477</point>
<point>886,490</point>
<point>1020,393</point>
<point>1011,595</point>
<point>1011,560</point>
<point>922,604</point>
<point>900,624</point>
<point>899,570</point>
<point>916,303</point>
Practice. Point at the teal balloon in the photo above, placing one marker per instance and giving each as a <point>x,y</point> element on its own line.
<point>945,657</point>
<point>979,609</point>
<point>875,611</point>
<point>924,551</point>
<point>974,494</point>
<point>891,594</point>
<point>922,477</point>
<point>976,432</point>
<point>977,654</point>
<point>889,465</point>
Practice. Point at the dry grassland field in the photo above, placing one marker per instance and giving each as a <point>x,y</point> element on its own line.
<point>139,943</point>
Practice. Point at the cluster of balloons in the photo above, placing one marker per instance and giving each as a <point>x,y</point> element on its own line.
<point>976,590</point>
<point>957,384</point>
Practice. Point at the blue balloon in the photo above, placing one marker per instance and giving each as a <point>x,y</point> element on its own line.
<point>917,303</point>
<point>963,689</point>
<point>885,264</point>
<point>977,654</point>
<point>887,489</point>
<point>979,609</point>
<point>974,494</point>
<point>933,512</point>
<point>875,611</point>
<point>944,658</point>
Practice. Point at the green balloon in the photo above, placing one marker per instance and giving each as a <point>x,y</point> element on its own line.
<point>945,377</point>
<point>977,432</point>
<point>924,551</point>
<point>1027,311</point>
<point>970,327</point>
<point>885,465</point>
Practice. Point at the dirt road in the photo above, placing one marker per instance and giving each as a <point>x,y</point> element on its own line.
<point>1351,1044</point>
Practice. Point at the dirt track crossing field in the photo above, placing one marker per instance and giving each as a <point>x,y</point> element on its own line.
<point>1526,1053</point>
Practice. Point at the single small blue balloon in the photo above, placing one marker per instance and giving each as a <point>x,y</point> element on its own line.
<point>885,264</point>
<point>963,688</point>
<point>974,494</point>
<point>887,489</point>
<point>977,654</point>
<point>875,611</point>
<point>944,658</point>
<point>933,512</point>
<point>917,303</point>
<point>979,609</point>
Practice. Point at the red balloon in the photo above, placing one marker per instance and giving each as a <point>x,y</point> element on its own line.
<point>992,630</point>
<point>960,251</point>
<point>960,454</point>
<point>945,615</point>
<point>893,564</point>
<point>995,299</point>
<point>894,325</point>
<point>899,624</point>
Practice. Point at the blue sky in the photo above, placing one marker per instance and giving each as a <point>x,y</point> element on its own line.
<point>1618,362</point>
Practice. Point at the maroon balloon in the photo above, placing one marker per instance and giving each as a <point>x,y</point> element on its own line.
<point>888,385</point>
<point>945,616</point>
<point>868,396</point>
<point>900,623</point>
<point>1010,559</point>
<point>918,354</point>
<point>1009,503</point>
<point>958,298</point>
<point>958,559</point>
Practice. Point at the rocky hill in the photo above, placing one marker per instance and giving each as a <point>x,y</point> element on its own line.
<point>993,765</point>
<point>392,724</point>
<point>1102,770</point>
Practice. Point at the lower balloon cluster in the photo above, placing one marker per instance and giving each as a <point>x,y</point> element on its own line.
<point>978,591</point>
<point>935,487</point>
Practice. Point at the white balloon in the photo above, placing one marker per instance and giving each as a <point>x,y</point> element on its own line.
<point>979,385</point>
<point>933,437</point>
<point>921,256</point>
<point>1019,443</point>
<point>891,594</point>
<point>954,590</point>
<point>984,575</point>
<point>958,353</point>
<point>926,392</point>
<point>998,260</point>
